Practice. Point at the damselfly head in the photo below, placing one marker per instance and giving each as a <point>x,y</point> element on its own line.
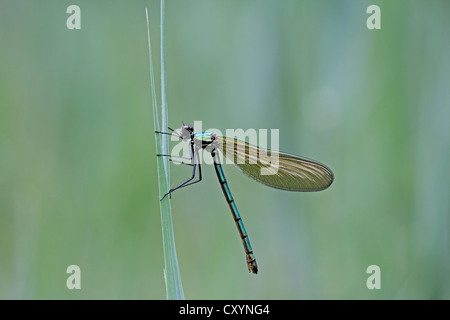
<point>187,132</point>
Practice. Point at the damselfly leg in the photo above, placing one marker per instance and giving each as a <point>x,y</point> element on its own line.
<point>194,157</point>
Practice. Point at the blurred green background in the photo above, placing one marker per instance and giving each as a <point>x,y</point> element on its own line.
<point>77,154</point>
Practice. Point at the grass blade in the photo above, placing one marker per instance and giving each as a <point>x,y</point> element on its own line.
<point>174,288</point>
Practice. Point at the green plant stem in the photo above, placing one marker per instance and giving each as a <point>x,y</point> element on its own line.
<point>174,288</point>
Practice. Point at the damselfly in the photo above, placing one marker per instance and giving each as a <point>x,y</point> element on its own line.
<point>287,172</point>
